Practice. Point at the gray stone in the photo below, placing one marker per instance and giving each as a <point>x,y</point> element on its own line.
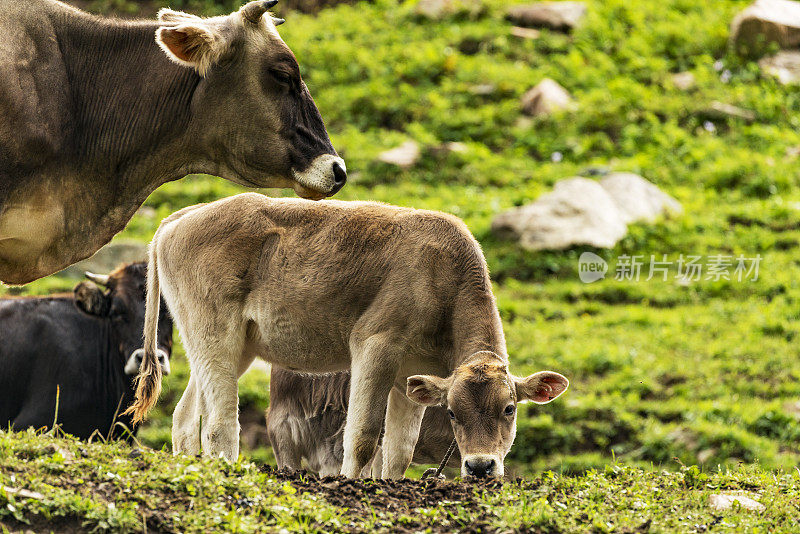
<point>404,156</point>
<point>578,211</point>
<point>765,22</point>
<point>553,15</point>
<point>785,66</point>
<point>722,501</point>
<point>638,199</point>
<point>545,98</point>
<point>108,258</point>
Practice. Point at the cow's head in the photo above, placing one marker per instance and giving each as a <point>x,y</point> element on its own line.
<point>120,299</point>
<point>481,398</point>
<point>259,122</point>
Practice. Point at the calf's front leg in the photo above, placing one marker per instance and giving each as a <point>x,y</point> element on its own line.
<point>403,421</point>
<point>372,375</point>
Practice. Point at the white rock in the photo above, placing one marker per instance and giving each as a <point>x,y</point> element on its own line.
<point>785,66</point>
<point>684,81</point>
<point>440,9</point>
<point>405,155</point>
<point>525,33</point>
<point>553,15</point>
<point>638,199</point>
<point>721,501</point>
<point>764,22</point>
<point>578,211</point>
<point>545,98</point>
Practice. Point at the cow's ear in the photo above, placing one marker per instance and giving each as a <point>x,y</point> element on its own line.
<point>91,299</point>
<point>541,387</point>
<point>190,41</point>
<point>427,390</point>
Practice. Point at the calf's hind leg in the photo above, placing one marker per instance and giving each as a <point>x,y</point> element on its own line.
<point>186,422</point>
<point>214,388</point>
<point>373,371</point>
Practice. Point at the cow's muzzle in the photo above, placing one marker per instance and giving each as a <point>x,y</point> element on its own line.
<point>324,177</point>
<point>482,466</point>
<point>135,362</point>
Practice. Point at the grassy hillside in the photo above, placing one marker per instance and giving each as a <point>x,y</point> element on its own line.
<point>65,486</point>
<point>707,372</point>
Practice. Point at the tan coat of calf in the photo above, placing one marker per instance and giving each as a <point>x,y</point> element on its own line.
<point>401,297</point>
<point>306,418</point>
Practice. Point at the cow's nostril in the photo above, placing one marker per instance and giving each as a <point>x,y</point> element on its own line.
<point>339,176</point>
<point>490,467</point>
<point>479,467</point>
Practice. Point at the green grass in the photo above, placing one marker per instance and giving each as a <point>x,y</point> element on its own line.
<point>706,373</point>
<point>106,488</point>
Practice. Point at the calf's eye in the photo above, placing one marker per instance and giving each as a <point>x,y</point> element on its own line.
<point>509,410</point>
<point>451,414</point>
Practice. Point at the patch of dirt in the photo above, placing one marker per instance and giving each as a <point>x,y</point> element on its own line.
<point>369,496</point>
<point>56,525</point>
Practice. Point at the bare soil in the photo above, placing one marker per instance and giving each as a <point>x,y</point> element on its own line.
<point>401,497</point>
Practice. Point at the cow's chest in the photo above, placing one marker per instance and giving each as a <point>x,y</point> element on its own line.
<point>30,224</point>
<point>51,223</point>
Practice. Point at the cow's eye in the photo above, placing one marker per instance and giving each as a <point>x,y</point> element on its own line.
<point>509,410</point>
<point>281,77</point>
<point>451,414</point>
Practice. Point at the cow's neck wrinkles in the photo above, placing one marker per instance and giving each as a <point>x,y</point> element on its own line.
<point>131,105</point>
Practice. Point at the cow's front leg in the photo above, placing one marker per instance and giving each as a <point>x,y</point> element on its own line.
<point>373,371</point>
<point>403,421</point>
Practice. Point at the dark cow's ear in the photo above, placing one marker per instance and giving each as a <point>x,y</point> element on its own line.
<point>541,387</point>
<point>91,299</point>
<point>427,390</point>
<point>190,41</point>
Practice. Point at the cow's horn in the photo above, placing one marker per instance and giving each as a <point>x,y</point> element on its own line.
<point>255,10</point>
<point>101,279</point>
<point>277,22</point>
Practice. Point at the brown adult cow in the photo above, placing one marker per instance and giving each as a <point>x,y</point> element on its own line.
<point>97,113</point>
<point>402,297</point>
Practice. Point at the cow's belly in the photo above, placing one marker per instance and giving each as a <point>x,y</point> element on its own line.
<point>298,343</point>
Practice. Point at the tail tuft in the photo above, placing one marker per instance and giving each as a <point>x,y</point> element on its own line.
<point>148,388</point>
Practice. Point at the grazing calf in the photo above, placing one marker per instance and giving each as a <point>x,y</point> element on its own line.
<point>401,297</point>
<point>306,417</point>
<point>85,345</point>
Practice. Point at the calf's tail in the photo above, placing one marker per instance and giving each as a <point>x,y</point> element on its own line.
<point>148,382</point>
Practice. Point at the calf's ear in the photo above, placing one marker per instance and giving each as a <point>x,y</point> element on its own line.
<point>427,390</point>
<point>91,299</point>
<point>541,387</point>
<point>190,41</point>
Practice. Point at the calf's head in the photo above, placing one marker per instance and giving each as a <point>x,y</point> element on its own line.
<point>258,120</point>
<point>481,398</point>
<point>119,298</point>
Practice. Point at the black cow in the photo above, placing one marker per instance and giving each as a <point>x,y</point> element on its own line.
<point>85,345</point>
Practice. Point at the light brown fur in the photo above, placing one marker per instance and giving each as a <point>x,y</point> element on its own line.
<point>383,291</point>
